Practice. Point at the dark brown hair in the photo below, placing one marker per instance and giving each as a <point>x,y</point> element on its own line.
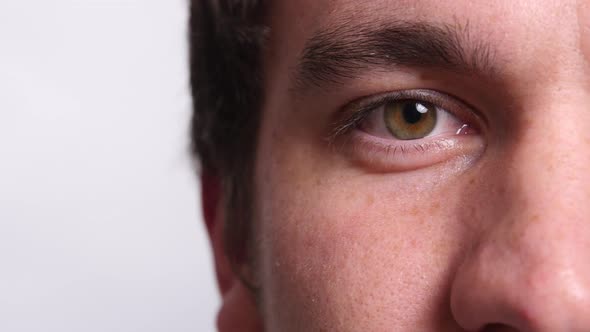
<point>226,39</point>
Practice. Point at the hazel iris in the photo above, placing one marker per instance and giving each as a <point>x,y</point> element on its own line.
<point>409,119</point>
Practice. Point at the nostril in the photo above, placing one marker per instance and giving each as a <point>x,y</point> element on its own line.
<point>497,327</point>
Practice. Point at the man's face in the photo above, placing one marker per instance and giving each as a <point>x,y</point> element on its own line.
<point>424,166</point>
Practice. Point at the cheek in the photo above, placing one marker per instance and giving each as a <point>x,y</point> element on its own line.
<point>341,250</point>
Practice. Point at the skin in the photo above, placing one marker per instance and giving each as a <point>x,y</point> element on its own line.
<point>493,237</point>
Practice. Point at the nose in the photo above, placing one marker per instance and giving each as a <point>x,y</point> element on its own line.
<point>528,265</point>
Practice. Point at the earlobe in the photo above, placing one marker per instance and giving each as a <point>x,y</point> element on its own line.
<point>238,311</point>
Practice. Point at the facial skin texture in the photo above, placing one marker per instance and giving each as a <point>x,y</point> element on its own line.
<point>494,236</point>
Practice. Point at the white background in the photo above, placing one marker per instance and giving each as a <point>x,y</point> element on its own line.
<point>100,223</point>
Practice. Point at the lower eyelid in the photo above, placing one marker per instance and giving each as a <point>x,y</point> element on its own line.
<point>383,155</point>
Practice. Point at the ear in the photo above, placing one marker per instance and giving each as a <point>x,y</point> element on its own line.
<point>238,310</point>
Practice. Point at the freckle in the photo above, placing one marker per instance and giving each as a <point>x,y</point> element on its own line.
<point>535,218</point>
<point>526,122</point>
<point>370,200</point>
<point>414,211</point>
<point>435,207</point>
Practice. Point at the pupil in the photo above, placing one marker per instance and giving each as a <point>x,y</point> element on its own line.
<point>411,114</point>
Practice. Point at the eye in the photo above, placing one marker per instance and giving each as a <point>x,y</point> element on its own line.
<point>409,129</point>
<point>411,120</point>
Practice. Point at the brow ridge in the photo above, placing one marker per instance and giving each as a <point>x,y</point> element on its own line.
<point>336,54</point>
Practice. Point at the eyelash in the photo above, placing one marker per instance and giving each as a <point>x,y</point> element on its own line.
<point>386,152</point>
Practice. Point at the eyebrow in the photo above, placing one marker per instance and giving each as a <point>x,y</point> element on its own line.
<point>340,53</point>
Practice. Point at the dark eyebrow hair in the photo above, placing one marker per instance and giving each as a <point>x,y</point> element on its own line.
<point>339,53</point>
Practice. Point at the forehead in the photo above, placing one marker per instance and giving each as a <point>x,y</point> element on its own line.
<point>524,35</point>
<point>495,18</point>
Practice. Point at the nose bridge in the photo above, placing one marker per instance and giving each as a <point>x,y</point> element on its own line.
<point>547,170</point>
<point>546,179</point>
<point>529,266</point>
